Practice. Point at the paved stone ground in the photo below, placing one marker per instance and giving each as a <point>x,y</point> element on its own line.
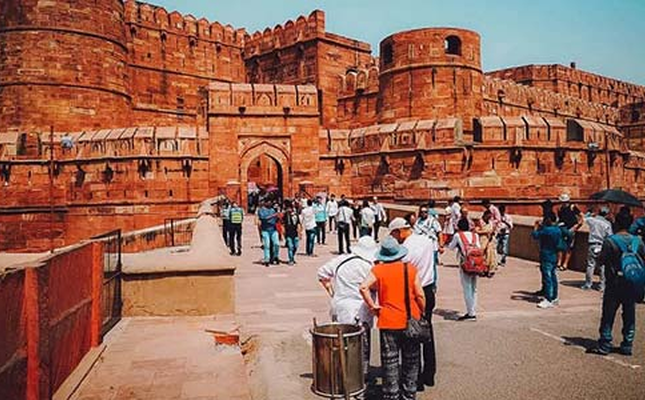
<point>166,358</point>
<point>513,351</point>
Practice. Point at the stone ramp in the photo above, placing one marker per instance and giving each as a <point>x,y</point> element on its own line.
<point>166,358</point>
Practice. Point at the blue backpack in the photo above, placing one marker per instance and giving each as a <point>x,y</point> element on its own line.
<point>632,267</point>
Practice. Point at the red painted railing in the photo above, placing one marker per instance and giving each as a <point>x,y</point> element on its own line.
<point>50,319</point>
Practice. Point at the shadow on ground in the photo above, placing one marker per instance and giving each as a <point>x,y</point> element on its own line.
<point>448,315</point>
<point>523,295</point>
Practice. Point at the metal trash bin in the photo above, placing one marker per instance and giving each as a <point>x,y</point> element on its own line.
<point>337,370</point>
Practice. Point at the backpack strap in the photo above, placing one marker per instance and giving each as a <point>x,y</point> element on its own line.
<point>345,261</point>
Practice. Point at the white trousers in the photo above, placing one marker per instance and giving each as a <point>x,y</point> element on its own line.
<point>469,286</point>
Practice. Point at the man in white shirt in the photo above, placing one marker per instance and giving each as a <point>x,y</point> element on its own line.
<point>308,218</point>
<point>367,219</point>
<point>344,219</point>
<point>421,254</point>
<point>599,229</point>
<point>380,217</point>
<point>332,212</point>
<point>341,278</point>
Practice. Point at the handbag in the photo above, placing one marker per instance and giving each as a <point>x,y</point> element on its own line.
<point>416,329</point>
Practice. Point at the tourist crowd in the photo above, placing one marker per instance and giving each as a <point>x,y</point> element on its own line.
<point>397,280</point>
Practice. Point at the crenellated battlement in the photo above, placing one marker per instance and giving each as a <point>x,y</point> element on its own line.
<point>535,99</point>
<point>158,18</point>
<point>575,83</point>
<point>303,29</point>
<point>359,81</point>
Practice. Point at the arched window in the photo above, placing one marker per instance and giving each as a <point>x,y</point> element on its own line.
<point>636,116</point>
<point>388,54</point>
<point>453,45</point>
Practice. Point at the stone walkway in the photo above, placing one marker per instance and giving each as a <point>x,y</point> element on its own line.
<point>166,358</point>
<point>513,351</point>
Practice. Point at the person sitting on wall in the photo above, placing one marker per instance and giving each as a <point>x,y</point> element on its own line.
<point>570,217</point>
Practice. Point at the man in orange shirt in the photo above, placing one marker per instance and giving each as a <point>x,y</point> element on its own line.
<point>388,278</point>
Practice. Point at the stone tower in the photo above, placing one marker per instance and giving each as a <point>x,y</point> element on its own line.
<point>63,63</point>
<point>431,73</point>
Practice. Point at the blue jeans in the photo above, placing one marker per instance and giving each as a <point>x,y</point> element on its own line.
<point>613,298</point>
<point>502,247</point>
<point>292,247</point>
<point>270,240</point>
<point>549,279</point>
<point>311,237</point>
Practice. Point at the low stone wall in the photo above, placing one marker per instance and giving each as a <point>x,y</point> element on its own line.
<point>521,244</point>
<point>156,237</point>
<point>170,281</point>
<point>179,293</point>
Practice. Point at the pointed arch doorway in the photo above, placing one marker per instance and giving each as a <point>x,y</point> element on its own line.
<point>262,174</point>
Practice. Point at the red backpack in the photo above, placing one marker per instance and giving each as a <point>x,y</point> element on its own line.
<point>473,257</point>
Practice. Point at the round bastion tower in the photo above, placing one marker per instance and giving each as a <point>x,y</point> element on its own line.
<point>63,63</point>
<point>431,73</point>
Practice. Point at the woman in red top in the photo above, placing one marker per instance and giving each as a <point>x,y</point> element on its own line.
<point>387,278</point>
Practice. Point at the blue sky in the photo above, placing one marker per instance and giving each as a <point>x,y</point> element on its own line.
<point>602,36</point>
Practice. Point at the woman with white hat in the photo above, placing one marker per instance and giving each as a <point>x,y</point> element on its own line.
<point>341,278</point>
<point>391,277</point>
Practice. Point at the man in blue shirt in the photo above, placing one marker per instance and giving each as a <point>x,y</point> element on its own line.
<point>268,218</point>
<point>550,238</point>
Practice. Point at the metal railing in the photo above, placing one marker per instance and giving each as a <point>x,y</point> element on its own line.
<point>177,234</point>
<point>111,298</point>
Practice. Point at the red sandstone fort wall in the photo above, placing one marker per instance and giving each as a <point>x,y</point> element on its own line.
<point>171,57</point>
<point>302,52</point>
<point>575,83</point>
<point>249,120</point>
<point>508,98</point>
<point>126,178</point>
<point>431,73</point>
<point>50,74</point>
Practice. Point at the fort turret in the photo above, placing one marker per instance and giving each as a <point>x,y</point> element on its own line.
<point>64,64</point>
<point>431,73</point>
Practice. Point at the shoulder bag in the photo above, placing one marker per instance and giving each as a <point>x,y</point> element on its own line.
<point>416,329</point>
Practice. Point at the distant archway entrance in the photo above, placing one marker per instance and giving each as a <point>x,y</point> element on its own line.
<point>262,174</point>
<point>264,180</point>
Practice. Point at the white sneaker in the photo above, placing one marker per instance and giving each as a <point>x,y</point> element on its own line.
<point>556,302</point>
<point>545,304</point>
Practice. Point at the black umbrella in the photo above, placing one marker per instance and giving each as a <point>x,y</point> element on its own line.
<point>617,196</point>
